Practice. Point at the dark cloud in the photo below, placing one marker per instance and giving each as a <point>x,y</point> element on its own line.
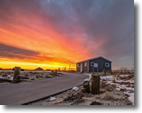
<point>14,52</point>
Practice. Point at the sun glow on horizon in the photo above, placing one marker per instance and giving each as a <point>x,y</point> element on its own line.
<point>32,66</point>
<point>48,52</point>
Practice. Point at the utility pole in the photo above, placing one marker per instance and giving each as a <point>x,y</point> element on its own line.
<point>69,66</point>
<point>93,67</point>
<point>65,68</point>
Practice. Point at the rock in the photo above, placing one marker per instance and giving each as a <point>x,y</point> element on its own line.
<point>60,74</point>
<point>122,89</point>
<point>24,77</point>
<point>48,76</point>
<point>74,95</point>
<point>32,79</point>
<point>4,75</point>
<point>75,88</point>
<point>41,76</point>
<point>37,76</point>
<point>95,103</point>
<point>77,101</point>
<point>109,88</point>
<point>86,87</point>
<point>5,80</point>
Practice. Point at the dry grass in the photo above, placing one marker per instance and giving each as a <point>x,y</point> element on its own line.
<point>124,71</point>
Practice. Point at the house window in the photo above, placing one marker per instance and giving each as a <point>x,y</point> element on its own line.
<point>85,64</point>
<point>78,65</point>
<point>106,64</point>
<point>92,63</point>
<point>96,65</point>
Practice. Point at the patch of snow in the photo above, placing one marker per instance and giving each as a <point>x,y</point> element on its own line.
<point>131,97</point>
<point>118,89</point>
<point>75,88</point>
<point>52,98</point>
<point>1,77</point>
<point>87,79</point>
<point>119,86</point>
<point>107,78</point>
<point>89,76</point>
<point>10,77</point>
<point>123,76</point>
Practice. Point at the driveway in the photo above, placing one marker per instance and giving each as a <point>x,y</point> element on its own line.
<point>29,91</point>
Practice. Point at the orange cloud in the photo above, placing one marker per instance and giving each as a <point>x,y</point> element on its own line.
<point>55,49</point>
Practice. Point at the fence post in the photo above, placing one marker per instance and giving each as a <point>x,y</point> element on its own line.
<point>16,77</point>
<point>95,83</point>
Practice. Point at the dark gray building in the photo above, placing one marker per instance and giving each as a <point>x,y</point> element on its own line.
<point>93,64</point>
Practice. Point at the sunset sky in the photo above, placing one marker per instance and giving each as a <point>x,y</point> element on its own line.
<point>55,33</point>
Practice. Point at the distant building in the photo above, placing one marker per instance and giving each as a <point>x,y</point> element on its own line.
<point>39,69</point>
<point>93,65</point>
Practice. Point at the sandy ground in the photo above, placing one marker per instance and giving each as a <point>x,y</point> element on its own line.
<point>111,93</point>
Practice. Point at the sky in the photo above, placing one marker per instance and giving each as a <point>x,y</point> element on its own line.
<point>55,33</point>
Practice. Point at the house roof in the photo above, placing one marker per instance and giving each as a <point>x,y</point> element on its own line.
<point>39,68</point>
<point>94,59</point>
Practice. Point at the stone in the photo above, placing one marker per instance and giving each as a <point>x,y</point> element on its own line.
<point>37,76</point>
<point>95,103</point>
<point>48,76</point>
<point>32,79</point>
<point>74,95</point>
<point>86,86</point>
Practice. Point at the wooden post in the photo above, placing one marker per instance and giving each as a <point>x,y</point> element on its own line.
<point>95,83</point>
<point>55,72</point>
<point>65,68</point>
<point>104,71</point>
<point>69,67</point>
<point>16,77</point>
